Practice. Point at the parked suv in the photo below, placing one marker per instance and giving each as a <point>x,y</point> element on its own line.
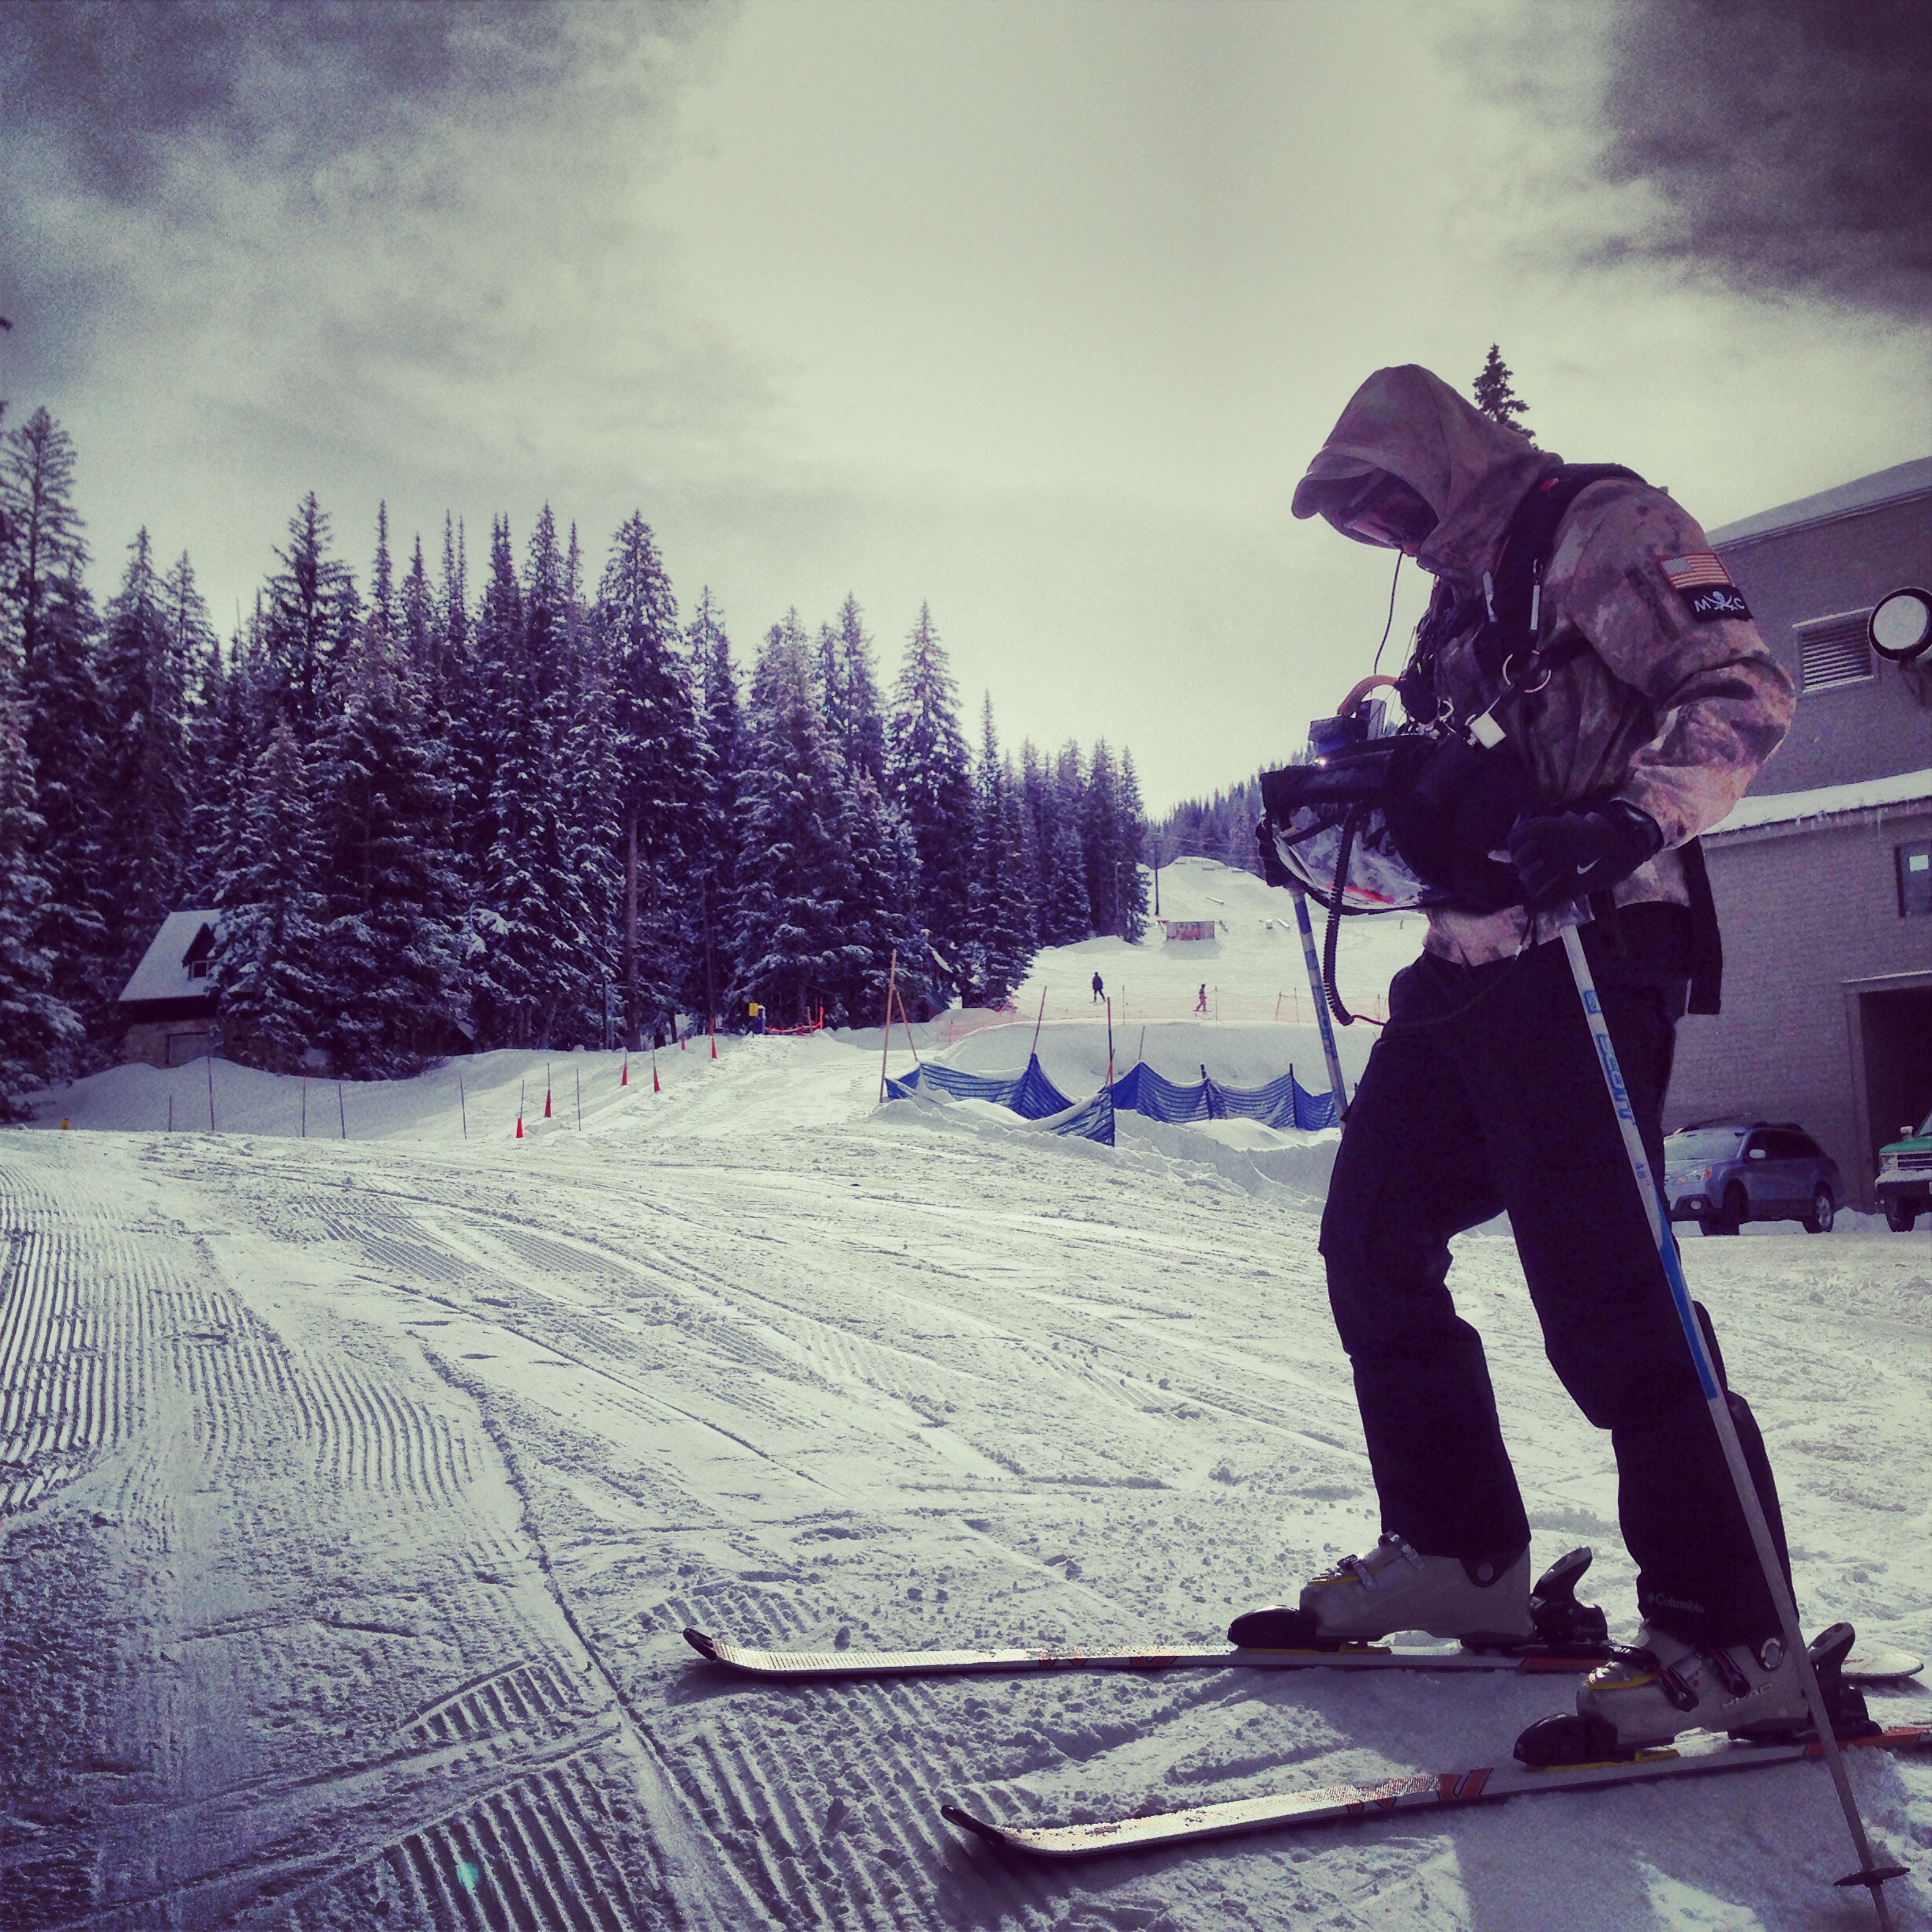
<point>1722,1173</point>
<point>1905,1178</point>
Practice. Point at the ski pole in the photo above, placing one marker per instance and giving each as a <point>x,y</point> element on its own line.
<point>1321,1002</point>
<point>1869,1873</point>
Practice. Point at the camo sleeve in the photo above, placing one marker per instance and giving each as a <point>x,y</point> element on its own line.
<point>1638,577</point>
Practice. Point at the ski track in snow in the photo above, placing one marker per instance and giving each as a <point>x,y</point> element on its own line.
<point>354,1496</point>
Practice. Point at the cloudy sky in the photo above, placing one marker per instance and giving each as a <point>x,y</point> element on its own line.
<point>1031,309</point>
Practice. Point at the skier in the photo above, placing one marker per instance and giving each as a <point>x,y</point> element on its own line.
<point>1098,989</point>
<point>1483,1093</point>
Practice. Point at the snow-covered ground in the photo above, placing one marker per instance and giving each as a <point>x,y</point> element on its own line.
<point>355,1491</point>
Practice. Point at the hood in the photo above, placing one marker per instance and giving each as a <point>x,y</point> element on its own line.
<point>1470,471</point>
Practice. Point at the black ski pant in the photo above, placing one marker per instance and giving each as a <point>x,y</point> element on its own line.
<point>1485,1094</point>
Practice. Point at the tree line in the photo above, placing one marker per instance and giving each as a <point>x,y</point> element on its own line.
<point>538,810</point>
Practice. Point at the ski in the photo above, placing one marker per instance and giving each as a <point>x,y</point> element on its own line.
<point>1878,1667</point>
<point>1698,1754</point>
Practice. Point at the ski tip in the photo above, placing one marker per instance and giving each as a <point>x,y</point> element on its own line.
<point>1881,1667</point>
<point>966,1822</point>
<point>705,1646</point>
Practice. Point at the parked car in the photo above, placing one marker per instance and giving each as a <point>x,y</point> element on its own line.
<point>1722,1173</point>
<point>1905,1178</point>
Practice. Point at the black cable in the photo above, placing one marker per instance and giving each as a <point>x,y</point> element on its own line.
<point>1469,1006</point>
<point>1350,819</point>
<point>1388,623</point>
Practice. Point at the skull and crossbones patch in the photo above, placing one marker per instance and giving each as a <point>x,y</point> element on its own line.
<point>1706,587</point>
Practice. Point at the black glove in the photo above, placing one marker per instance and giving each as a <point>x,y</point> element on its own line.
<point>1570,855</point>
<point>1272,870</point>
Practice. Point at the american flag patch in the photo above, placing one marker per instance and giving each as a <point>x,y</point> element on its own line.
<point>1708,590</point>
<point>1694,572</point>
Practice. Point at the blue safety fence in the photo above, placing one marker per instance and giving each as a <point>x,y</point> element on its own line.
<point>1282,1103</point>
<point>1030,1094</point>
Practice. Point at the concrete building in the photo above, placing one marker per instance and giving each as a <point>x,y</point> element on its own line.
<point>169,1005</point>
<point>1823,874</point>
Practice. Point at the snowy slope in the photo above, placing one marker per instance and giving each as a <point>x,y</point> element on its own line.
<point>353,1491</point>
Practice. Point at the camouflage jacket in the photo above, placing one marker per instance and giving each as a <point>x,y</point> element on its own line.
<point>1676,703</point>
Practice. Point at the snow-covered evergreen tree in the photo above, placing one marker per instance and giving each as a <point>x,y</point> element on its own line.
<point>266,951</point>
<point>994,957</point>
<point>1133,910</point>
<point>883,920</point>
<point>661,761</point>
<point>310,617</point>
<point>38,1029</point>
<point>387,958</point>
<point>1103,843</point>
<point>416,604</point>
<point>156,632</point>
<point>1065,913</point>
<point>862,741</point>
<point>222,748</point>
<point>928,779</point>
<point>540,967</point>
<point>798,892</point>
<point>712,874</point>
<point>53,635</point>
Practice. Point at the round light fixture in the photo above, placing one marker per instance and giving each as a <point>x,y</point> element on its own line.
<point>1900,625</point>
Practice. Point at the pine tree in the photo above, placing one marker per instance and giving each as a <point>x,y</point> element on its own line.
<point>422,630</point>
<point>1133,912</point>
<point>713,870</point>
<point>267,941</point>
<point>1103,843</point>
<point>156,629</point>
<point>1497,398</point>
<point>52,636</point>
<point>661,758</point>
<point>221,747</point>
<point>592,779</point>
<point>38,1029</point>
<point>927,770</point>
<point>386,961</point>
<point>1066,911</point>
<point>539,971</point>
<point>865,739</point>
<point>797,889</point>
<point>882,920</point>
<point>994,959</point>
<point>310,619</point>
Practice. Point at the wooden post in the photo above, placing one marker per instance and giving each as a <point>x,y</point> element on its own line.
<point>891,988</point>
<point>462,1104</point>
<point>1037,1018</point>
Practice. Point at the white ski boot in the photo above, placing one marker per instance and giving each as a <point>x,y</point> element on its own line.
<point>1395,1587</point>
<point>1646,1695</point>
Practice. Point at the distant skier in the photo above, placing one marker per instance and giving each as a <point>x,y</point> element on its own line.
<point>1098,989</point>
<point>1200,998</point>
<point>1657,703</point>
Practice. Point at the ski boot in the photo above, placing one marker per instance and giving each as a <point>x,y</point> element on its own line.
<point>1644,1695</point>
<point>1395,1587</point>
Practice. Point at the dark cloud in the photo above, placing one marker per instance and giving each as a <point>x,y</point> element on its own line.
<point>1787,144</point>
<point>114,87</point>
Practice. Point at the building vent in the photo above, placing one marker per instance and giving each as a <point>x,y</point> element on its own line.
<point>1834,651</point>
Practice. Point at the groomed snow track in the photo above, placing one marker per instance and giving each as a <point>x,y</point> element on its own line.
<point>356,1495</point>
